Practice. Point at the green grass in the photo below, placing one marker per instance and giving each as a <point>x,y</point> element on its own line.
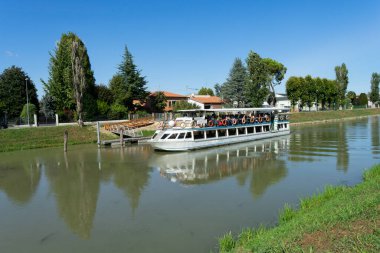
<point>42,137</point>
<point>341,219</point>
<point>147,133</point>
<point>301,117</point>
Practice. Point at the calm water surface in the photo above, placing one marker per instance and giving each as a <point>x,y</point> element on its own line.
<point>138,200</point>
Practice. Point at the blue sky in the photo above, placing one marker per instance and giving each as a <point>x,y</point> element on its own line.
<point>186,44</point>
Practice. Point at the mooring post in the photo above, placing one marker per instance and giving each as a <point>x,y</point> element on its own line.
<point>98,132</point>
<point>121,137</point>
<point>65,138</point>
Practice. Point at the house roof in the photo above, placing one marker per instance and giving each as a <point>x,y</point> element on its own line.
<point>169,94</point>
<point>207,99</point>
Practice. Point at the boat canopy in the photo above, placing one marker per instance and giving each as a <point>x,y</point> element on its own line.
<point>236,110</point>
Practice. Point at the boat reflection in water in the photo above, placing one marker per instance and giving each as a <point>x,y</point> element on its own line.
<point>264,158</point>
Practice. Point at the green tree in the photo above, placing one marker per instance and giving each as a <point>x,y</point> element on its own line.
<point>276,73</point>
<point>206,91</point>
<point>332,93</point>
<point>60,83</point>
<point>24,113</point>
<point>233,89</point>
<point>293,89</point>
<point>308,91</point>
<point>79,79</point>
<point>133,85</point>
<point>117,111</point>
<point>13,91</point>
<point>341,73</point>
<point>351,95</point>
<point>323,91</point>
<point>47,106</point>
<point>118,89</point>
<point>104,93</point>
<point>363,99</point>
<point>217,88</point>
<point>158,101</point>
<point>184,105</point>
<point>374,94</point>
<point>256,85</point>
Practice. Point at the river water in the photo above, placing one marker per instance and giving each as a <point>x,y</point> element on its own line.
<point>137,200</point>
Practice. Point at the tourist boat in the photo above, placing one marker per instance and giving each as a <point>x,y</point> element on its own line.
<point>204,128</point>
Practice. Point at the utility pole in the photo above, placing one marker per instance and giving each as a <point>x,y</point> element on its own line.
<point>27,99</point>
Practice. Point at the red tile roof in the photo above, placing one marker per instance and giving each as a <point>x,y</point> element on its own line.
<point>169,94</point>
<point>207,99</point>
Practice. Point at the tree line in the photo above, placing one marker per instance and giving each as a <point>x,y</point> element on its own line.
<point>71,90</point>
<point>330,94</point>
<point>252,83</point>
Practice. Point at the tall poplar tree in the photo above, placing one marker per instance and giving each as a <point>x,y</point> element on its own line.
<point>60,84</point>
<point>233,89</point>
<point>256,85</point>
<point>341,73</point>
<point>374,94</point>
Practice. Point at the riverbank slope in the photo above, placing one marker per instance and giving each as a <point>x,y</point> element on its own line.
<point>341,219</point>
<point>327,116</point>
<point>42,137</point>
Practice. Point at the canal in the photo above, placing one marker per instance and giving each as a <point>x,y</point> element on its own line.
<point>137,200</point>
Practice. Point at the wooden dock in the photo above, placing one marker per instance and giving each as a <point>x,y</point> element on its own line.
<point>116,142</point>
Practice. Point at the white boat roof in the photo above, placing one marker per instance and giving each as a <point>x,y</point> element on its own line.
<point>234,109</point>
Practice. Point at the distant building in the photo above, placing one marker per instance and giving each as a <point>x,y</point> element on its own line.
<point>282,101</point>
<point>206,101</point>
<point>172,98</point>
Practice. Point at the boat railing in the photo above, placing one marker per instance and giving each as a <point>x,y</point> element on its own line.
<point>204,122</point>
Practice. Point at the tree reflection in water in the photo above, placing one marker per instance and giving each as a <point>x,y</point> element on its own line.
<point>19,178</point>
<point>129,172</point>
<point>76,181</point>
<point>76,188</point>
<point>311,143</point>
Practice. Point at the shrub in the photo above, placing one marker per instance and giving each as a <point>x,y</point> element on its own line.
<point>24,114</point>
<point>117,111</point>
<point>103,108</point>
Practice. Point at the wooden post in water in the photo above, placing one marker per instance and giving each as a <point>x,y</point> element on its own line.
<point>98,132</point>
<point>121,137</point>
<point>65,138</point>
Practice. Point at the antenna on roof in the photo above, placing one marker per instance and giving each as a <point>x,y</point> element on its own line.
<point>189,88</point>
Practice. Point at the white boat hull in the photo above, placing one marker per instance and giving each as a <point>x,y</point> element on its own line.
<point>185,145</point>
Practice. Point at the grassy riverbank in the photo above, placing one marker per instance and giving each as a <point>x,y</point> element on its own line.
<point>43,137</point>
<point>303,117</point>
<point>341,219</point>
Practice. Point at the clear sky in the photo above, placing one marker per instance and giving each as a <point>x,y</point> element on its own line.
<point>186,44</point>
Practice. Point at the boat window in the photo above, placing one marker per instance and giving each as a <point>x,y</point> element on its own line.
<point>164,136</point>
<point>241,130</point>
<point>285,125</point>
<point>221,132</point>
<point>258,129</point>
<point>211,134</point>
<point>266,128</point>
<point>173,136</point>
<point>154,135</point>
<point>250,130</point>
<point>198,135</point>
<point>232,131</point>
<point>188,135</point>
<point>181,135</point>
